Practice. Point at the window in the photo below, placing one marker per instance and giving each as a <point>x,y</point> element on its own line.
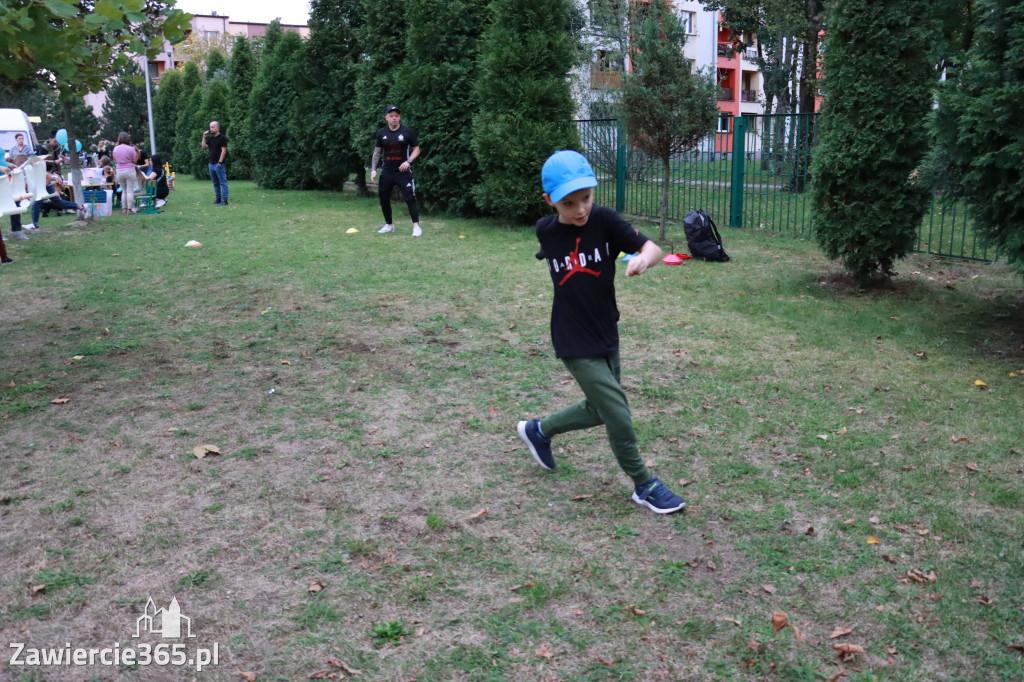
<point>154,71</point>
<point>724,121</point>
<point>689,20</point>
<point>211,35</point>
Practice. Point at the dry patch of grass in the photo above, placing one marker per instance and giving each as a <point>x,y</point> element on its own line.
<point>371,503</point>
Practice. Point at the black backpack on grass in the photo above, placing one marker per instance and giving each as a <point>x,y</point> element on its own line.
<point>702,237</point>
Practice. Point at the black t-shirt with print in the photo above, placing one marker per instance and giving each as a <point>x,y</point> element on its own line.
<point>396,145</point>
<point>584,315</point>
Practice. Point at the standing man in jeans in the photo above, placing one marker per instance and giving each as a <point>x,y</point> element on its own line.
<point>218,146</point>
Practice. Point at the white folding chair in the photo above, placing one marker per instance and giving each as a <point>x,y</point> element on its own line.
<point>35,176</point>
<point>13,189</point>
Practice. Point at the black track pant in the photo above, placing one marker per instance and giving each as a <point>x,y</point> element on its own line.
<point>407,185</point>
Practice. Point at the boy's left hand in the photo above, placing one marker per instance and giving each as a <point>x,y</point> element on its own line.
<point>636,266</point>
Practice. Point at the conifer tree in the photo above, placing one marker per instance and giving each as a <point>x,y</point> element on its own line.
<point>277,136</point>
<point>185,145</point>
<point>667,109</point>
<point>241,73</point>
<point>978,134</point>
<point>332,55</point>
<point>216,65</point>
<point>165,112</point>
<point>872,136</point>
<point>526,107</point>
<point>125,107</point>
<point>437,80</point>
<point>382,40</point>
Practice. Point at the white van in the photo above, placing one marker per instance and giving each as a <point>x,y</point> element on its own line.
<point>12,122</point>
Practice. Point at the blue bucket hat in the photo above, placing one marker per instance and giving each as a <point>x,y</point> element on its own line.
<point>565,172</point>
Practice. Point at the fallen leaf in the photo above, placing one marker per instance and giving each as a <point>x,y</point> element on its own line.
<point>544,651</point>
<point>842,431</point>
<point>872,540</point>
<point>809,531</point>
<point>847,651</point>
<point>921,354</point>
<point>779,621</point>
<point>980,384</point>
<point>888,558</point>
<point>849,522</point>
<point>285,362</point>
<point>316,587</point>
<point>480,514</point>
<point>247,676</point>
<point>753,644</point>
<point>605,661</point>
<point>975,583</point>
<point>839,632</point>
<point>798,634</point>
<point>650,464</point>
<point>325,674</point>
<point>971,466</point>
<point>338,663</point>
<point>78,357</point>
<point>60,401</point>
<point>577,498</point>
<point>635,610</point>
<point>512,326</point>
<point>36,589</point>
<point>12,384</point>
<point>982,599</point>
<point>201,451</point>
<point>873,519</point>
<point>960,439</point>
<point>683,482</point>
<point>822,436</point>
<point>770,589</point>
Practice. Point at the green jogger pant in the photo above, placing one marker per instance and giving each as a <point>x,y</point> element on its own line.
<point>604,403</point>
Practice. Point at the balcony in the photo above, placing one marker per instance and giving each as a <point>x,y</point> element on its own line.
<point>726,50</point>
<point>748,95</point>
<point>605,80</point>
<point>750,53</point>
<point>725,94</point>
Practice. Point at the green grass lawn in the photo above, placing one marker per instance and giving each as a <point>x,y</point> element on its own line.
<point>852,460</point>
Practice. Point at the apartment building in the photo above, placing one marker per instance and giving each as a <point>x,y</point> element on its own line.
<point>709,44</point>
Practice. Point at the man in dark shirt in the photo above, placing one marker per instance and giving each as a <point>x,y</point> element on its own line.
<point>399,146</point>
<point>215,141</point>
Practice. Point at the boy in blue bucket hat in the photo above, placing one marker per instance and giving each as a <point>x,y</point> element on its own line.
<point>580,245</point>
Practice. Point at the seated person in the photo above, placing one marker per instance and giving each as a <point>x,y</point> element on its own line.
<point>157,173</point>
<point>61,204</point>
<point>20,147</point>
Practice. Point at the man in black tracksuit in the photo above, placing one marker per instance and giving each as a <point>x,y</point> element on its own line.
<point>399,145</point>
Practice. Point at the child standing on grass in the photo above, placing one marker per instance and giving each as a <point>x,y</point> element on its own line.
<point>580,244</point>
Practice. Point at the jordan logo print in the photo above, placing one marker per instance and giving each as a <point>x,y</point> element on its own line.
<point>576,266</point>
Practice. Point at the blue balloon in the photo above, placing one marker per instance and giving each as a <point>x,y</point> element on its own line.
<point>78,145</point>
<point>3,161</point>
<point>62,137</point>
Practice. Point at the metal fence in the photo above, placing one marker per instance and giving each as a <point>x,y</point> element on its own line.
<point>753,173</point>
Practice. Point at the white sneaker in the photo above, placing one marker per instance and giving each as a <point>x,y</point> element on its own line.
<point>160,203</point>
<point>386,229</point>
<point>416,231</point>
<point>31,227</point>
<point>20,235</point>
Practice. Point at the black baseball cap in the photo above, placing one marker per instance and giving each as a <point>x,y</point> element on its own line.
<point>390,109</point>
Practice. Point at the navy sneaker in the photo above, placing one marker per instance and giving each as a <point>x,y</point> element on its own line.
<point>659,499</point>
<point>540,446</point>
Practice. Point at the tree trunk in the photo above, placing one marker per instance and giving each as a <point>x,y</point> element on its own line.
<point>666,176</point>
<point>76,175</point>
